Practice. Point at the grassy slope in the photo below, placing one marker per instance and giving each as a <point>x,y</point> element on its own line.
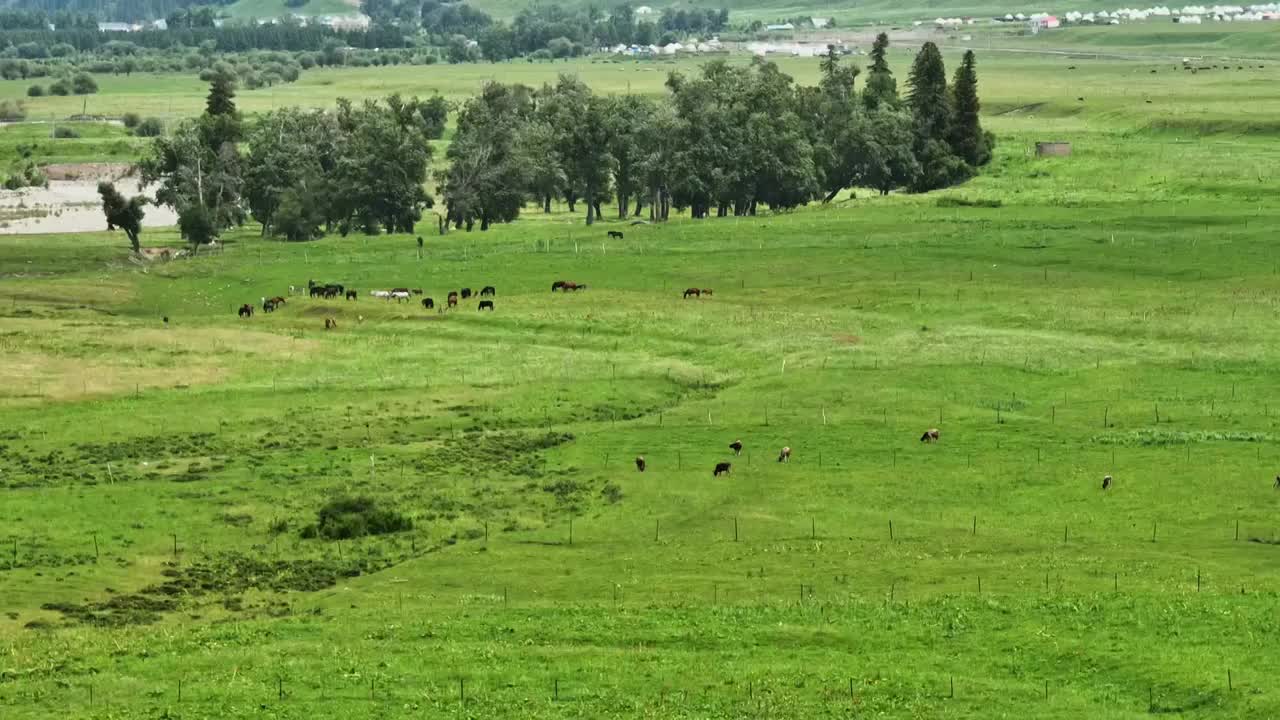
<point>1136,277</point>
<point>277,8</point>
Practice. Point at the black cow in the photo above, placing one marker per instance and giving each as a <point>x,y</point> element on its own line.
<point>640,464</point>
<point>466,293</point>
<point>615,234</point>
<point>736,447</point>
<point>428,303</point>
<point>486,305</point>
<point>721,469</point>
<point>488,290</point>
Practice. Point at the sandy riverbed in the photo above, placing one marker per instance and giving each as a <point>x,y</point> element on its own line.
<point>70,206</point>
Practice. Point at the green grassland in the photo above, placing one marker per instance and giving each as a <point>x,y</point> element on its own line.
<point>1114,314</point>
<point>277,8</point>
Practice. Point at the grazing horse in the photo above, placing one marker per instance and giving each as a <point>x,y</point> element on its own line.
<point>694,292</point>
<point>721,469</point>
<point>736,447</point>
<point>930,435</point>
<point>785,455</point>
<point>268,305</point>
<point>246,310</point>
<point>384,294</point>
<point>466,293</point>
<point>706,292</point>
<point>316,290</point>
<point>1278,482</point>
<point>332,291</point>
<point>428,303</point>
<point>615,234</point>
<point>396,290</point>
<point>352,295</point>
<point>486,305</point>
<point>558,285</point>
<point>416,291</point>
<point>1106,482</point>
<point>574,287</point>
<point>453,299</point>
<point>400,295</point>
<point>330,324</point>
<point>277,300</point>
<point>640,464</point>
<point>488,290</point>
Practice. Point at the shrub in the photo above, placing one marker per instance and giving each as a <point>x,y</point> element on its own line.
<point>151,127</point>
<point>351,517</point>
<point>65,132</point>
<point>84,84</point>
<point>60,87</point>
<point>12,110</point>
<point>131,119</point>
<point>35,91</point>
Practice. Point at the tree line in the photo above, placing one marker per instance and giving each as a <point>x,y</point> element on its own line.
<point>730,140</point>
<point>724,142</point>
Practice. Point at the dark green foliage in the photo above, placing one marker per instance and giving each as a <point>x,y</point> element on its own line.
<point>344,518</point>
<point>65,132</point>
<point>967,138</point>
<point>490,171</point>
<point>196,224</point>
<point>150,127</point>
<point>881,87</point>
<point>130,120</point>
<point>123,214</point>
<point>933,118</point>
<point>83,84</point>
<point>298,217</point>
<point>35,91</point>
<point>60,87</point>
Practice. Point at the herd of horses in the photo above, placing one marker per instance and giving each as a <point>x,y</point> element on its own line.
<point>784,455</point>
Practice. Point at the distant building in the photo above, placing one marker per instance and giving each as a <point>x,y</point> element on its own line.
<point>819,23</point>
<point>781,27</point>
<point>114,27</point>
<point>346,22</point>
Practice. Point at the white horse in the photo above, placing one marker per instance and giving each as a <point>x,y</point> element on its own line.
<point>399,295</point>
<point>380,294</point>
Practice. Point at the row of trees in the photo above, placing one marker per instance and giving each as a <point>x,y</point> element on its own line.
<point>725,142</point>
<point>360,167</point>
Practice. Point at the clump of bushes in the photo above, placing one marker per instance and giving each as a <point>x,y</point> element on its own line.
<point>65,132</point>
<point>151,127</point>
<point>35,91</point>
<point>351,517</point>
<point>130,120</point>
<point>11,110</point>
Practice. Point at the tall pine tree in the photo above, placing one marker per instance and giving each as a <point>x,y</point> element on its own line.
<point>882,88</point>
<point>932,120</point>
<point>967,138</point>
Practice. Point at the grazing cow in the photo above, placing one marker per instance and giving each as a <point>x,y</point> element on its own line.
<point>640,464</point>
<point>416,291</point>
<point>486,305</point>
<point>384,294</point>
<point>1106,482</point>
<point>558,285</point>
<point>330,324</point>
<point>692,292</point>
<point>428,303</point>
<point>488,290</point>
<point>706,292</point>
<point>615,234</point>
<point>930,435</point>
<point>736,447</point>
<point>466,293</point>
<point>785,455</point>
<point>246,310</point>
<point>400,295</point>
<point>721,469</point>
<point>352,295</point>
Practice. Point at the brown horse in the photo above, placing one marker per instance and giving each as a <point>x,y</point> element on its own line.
<point>330,324</point>
<point>692,292</point>
<point>453,299</point>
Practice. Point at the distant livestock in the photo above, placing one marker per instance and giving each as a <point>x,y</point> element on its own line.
<point>383,294</point>
<point>557,285</point>
<point>352,295</point>
<point>428,303</point>
<point>488,290</point>
<point>453,299</point>
<point>268,305</point>
<point>721,469</point>
<point>330,324</point>
<point>416,291</point>
<point>486,305</point>
<point>706,292</point>
<point>785,455</point>
<point>736,447</point>
<point>466,293</point>
<point>245,311</point>
<point>566,286</point>
<point>1278,482</point>
<point>692,292</point>
<point>640,464</point>
<point>615,234</point>
<point>930,435</point>
<point>1106,482</point>
<point>400,295</point>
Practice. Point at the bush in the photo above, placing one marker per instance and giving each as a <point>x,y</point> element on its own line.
<point>65,132</point>
<point>35,91</point>
<point>131,119</point>
<point>151,127</point>
<point>60,87</point>
<point>84,84</point>
<point>352,517</point>
<point>12,110</point>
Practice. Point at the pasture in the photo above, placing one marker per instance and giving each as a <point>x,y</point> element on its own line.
<point>1057,319</point>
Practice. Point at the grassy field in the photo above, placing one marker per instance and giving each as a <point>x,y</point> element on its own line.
<point>1114,315</point>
